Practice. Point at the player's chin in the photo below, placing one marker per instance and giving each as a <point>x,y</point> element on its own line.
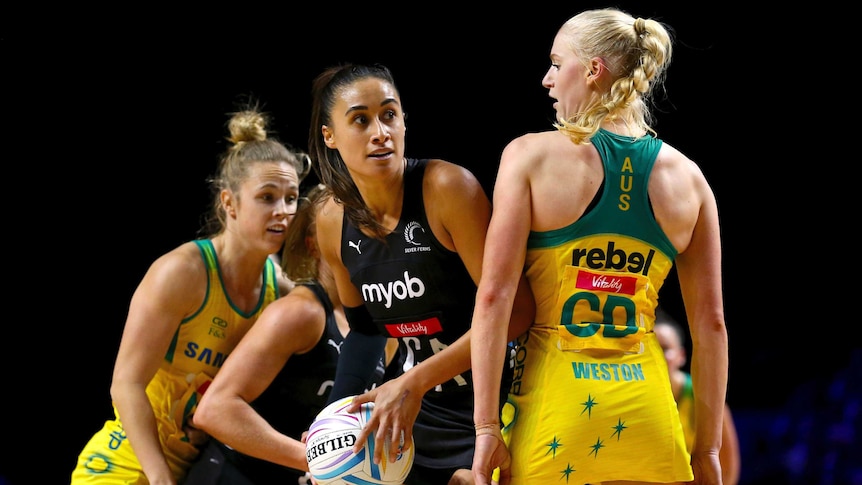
<point>274,241</point>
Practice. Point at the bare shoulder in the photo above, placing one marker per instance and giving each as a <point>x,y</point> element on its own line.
<point>672,159</point>
<point>676,175</point>
<point>295,312</point>
<point>328,225</point>
<point>292,324</point>
<point>184,260</point>
<point>528,143</point>
<point>541,140</point>
<point>443,172</point>
<point>678,193</point>
<point>301,303</point>
<point>330,207</point>
<point>533,149</point>
<point>526,161</point>
<point>177,278</point>
<point>330,214</point>
<point>456,205</point>
<point>561,176</point>
<point>447,180</point>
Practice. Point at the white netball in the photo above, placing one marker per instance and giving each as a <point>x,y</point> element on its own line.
<point>329,444</point>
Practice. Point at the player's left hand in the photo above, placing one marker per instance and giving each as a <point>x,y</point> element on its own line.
<point>706,468</point>
<point>490,453</point>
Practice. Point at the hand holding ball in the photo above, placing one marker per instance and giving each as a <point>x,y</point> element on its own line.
<point>329,449</point>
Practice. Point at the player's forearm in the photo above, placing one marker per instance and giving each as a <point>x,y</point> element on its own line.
<point>235,423</point>
<point>502,313</point>
<point>139,425</point>
<point>486,384</point>
<point>488,356</point>
<point>709,380</point>
<point>447,364</point>
<point>277,448</point>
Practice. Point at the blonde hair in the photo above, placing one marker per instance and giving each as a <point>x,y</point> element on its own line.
<point>250,144</point>
<point>635,51</point>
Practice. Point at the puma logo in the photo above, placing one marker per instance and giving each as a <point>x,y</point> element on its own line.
<point>355,245</point>
<point>335,345</point>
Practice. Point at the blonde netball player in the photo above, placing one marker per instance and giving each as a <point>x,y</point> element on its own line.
<point>598,211</point>
<point>191,308</point>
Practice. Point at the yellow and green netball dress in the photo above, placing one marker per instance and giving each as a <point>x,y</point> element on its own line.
<point>199,348</point>
<point>685,405</point>
<point>591,400</point>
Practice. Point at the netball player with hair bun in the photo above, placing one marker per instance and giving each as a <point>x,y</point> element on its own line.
<point>191,308</point>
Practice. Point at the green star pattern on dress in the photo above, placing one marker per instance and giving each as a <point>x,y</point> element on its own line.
<point>588,405</point>
<point>553,446</point>
<point>618,429</point>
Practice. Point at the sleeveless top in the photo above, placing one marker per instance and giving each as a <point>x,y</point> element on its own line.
<point>204,340</point>
<point>591,400</point>
<point>198,349</point>
<point>607,267</point>
<point>419,291</point>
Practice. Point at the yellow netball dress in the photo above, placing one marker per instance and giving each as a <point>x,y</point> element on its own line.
<point>685,404</point>
<point>199,348</point>
<point>591,400</point>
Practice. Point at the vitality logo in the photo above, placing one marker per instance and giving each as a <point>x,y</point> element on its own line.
<point>428,326</point>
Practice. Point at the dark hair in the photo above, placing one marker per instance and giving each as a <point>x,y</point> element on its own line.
<point>297,260</point>
<point>250,144</point>
<point>330,169</point>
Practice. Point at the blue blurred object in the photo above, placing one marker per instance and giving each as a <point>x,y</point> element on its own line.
<point>815,439</point>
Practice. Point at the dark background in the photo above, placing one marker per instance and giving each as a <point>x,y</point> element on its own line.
<point>120,117</point>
